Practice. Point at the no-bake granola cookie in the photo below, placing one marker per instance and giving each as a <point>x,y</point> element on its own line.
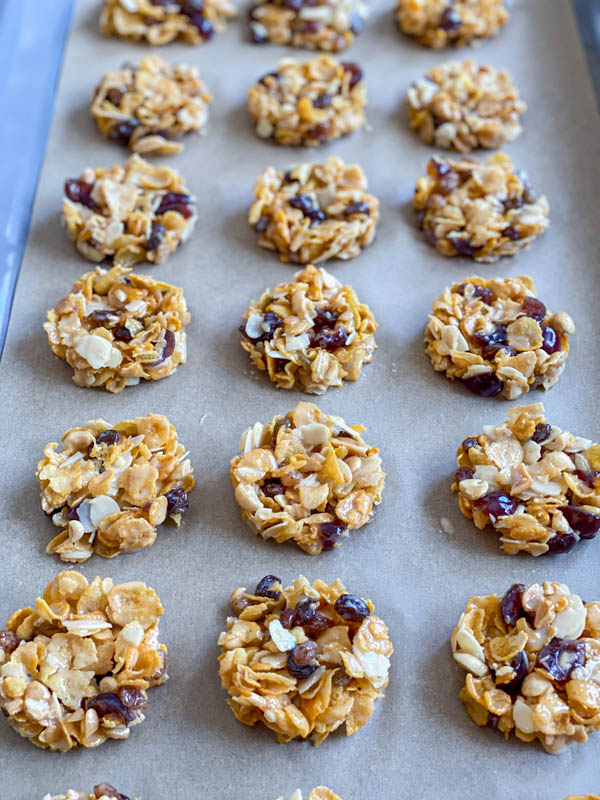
<point>308,103</point>
<point>110,486</point>
<point>146,107</point>
<point>309,334</point>
<point>102,791</point>
<point>537,485</point>
<point>441,23</point>
<point>306,476</point>
<point>76,668</point>
<point>117,328</point>
<point>161,21</point>
<point>323,793</point>
<point>497,337</point>
<point>314,212</point>
<point>129,213</point>
<point>481,211</point>
<point>303,660</point>
<point>532,659</point>
<point>329,25</point>
<point>462,106</point>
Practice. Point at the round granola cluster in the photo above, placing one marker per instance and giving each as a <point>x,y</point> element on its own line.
<point>319,793</point>
<point>462,106</point>
<point>497,337</point>
<point>480,211</point>
<point>532,659</point>
<point>308,103</point>
<point>309,334</point>
<point>102,791</point>
<point>146,107</point>
<point>129,213</point>
<point>74,670</point>
<point>329,25</point>
<point>537,485</point>
<point>162,21</point>
<point>117,328</point>
<point>303,660</point>
<point>308,477</point>
<point>442,23</point>
<point>314,212</point>
<point>109,487</point>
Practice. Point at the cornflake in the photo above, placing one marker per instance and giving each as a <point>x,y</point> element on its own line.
<point>441,23</point>
<point>309,334</point>
<point>314,212</point>
<point>479,211</point>
<point>110,487</point>
<point>146,107</point>
<point>76,668</point>
<point>129,213</point>
<point>538,486</point>
<point>308,477</point>
<point>462,106</point>
<point>497,337</point>
<point>308,103</point>
<point>163,22</point>
<point>319,793</point>
<point>532,659</point>
<point>331,677</point>
<point>117,328</point>
<point>102,791</point>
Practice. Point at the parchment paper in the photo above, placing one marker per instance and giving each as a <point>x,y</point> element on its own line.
<point>420,742</point>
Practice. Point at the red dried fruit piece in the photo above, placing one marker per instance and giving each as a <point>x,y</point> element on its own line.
<point>560,657</point>
<point>352,608</point>
<point>496,504</point>
<point>511,606</point>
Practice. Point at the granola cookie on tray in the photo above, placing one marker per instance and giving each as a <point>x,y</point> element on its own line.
<point>103,791</point>
<point>308,103</point>
<point>538,486</point>
<point>146,107</point>
<point>497,337</point>
<point>304,660</point>
<point>532,659</point>
<point>481,211</point>
<point>309,334</point>
<point>110,486</point>
<point>314,212</point>
<point>330,25</point>
<point>129,213</point>
<point>75,669</point>
<point>318,793</point>
<point>162,21</point>
<point>117,327</point>
<point>441,23</point>
<point>462,106</point>
<point>308,477</point>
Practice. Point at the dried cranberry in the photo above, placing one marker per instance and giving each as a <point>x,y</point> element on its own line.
<point>463,474</point>
<point>484,294</point>
<point>490,343</point>
<point>486,385</point>
<point>175,201</point>
<point>262,589</point>
<point>468,443</point>
<point>203,25</point>
<point>301,660</point>
<point>585,523</point>
<point>123,131</point>
<point>262,224</point>
<point>492,721</point>
<point>122,334</point>
<point>328,339</point>
<point>307,26</point>
<point>177,501</point>
<point>167,350</point>
<point>463,247</point>
<point>9,641</point>
<point>324,318</point>
<point>313,622</point>
<point>511,605</point>
<point>496,504</point>
<point>106,789</point>
<point>440,166</point>
<point>356,73</point>
<point>358,207</point>
<point>157,234</point>
<point>512,202</point>
<point>589,478</point>
<point>542,432</point>
<point>108,704</point>
<point>560,657</point>
<point>450,20</point>
<point>562,542</point>
<point>271,320</point>
<point>520,664</point>
<point>511,233</point>
<point>80,192</point>
<point>351,608</point>
<point>322,101</point>
<point>102,317</point>
<point>132,698</point>
<point>287,617</point>
<point>551,340</point>
<point>272,488</point>
<point>330,533</point>
<point>320,132</point>
<point>534,308</point>
<point>115,96</point>
<point>108,437</point>
<point>72,514</point>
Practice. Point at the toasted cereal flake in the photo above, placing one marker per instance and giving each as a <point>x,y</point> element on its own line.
<point>318,793</point>
<point>102,791</point>
<point>440,23</point>
<point>279,692</point>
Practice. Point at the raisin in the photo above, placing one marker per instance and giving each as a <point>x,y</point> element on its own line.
<point>560,657</point>
<point>511,233</point>
<point>463,474</point>
<point>157,234</point>
<point>468,443</point>
<point>511,605</point>
<point>448,182</point>
<point>271,320</point>
<point>122,334</point>
<point>294,5</point>
<point>167,350</point>
<point>275,75</point>
<point>486,385</point>
<point>102,317</point>
<point>300,660</point>
<point>72,514</point>
<point>305,204</point>
<point>562,542</point>
<point>490,343</point>
<point>262,589</point>
<point>123,131</point>
<point>463,247</point>
<point>272,488</point>
<point>542,432</point>
<point>512,202</point>
<point>313,622</point>
<point>177,501</point>
<point>450,20</point>
<point>131,697</point>
<point>115,96</point>
<point>108,437</point>
<point>356,73</point>
<point>331,532</point>
<point>175,201</point>
<point>358,207</point>
<point>328,339</point>
<point>351,608</point>
<point>109,704</point>
<point>520,664</point>
<point>322,101</point>
<point>496,504</point>
<point>485,294</point>
<point>551,340</point>
<point>106,789</point>
<point>324,318</point>
<point>9,641</point>
<point>80,192</point>
<point>287,617</point>
<point>262,224</point>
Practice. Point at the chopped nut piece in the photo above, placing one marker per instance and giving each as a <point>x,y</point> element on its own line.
<point>129,213</point>
<point>490,335</point>
<point>543,483</point>
<point>159,22</point>
<point>88,653</point>
<point>314,212</point>
<point>532,658</point>
<point>308,477</point>
<point>109,487</point>
<point>308,103</point>
<point>479,211</point>
<point>440,23</point>
<point>117,328</point>
<point>463,106</point>
<point>347,671</point>
<point>335,332</point>
<point>147,107</point>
